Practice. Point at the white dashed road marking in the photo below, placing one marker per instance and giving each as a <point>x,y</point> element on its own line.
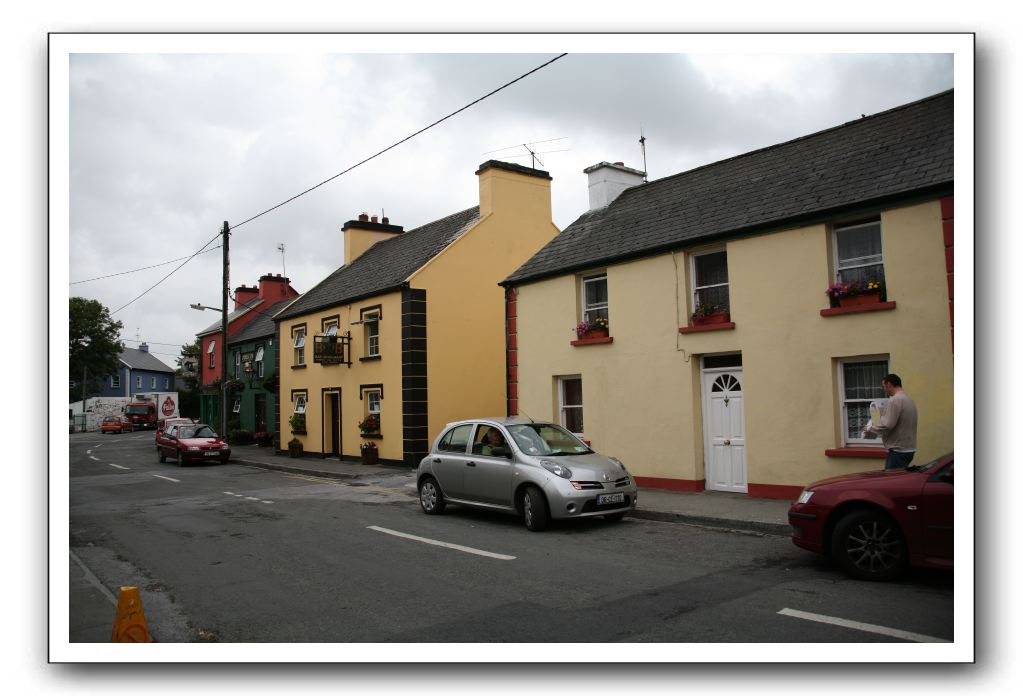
<point>859,626</point>
<point>166,478</point>
<point>434,542</point>
<point>249,497</point>
<point>118,466</point>
<point>95,459</point>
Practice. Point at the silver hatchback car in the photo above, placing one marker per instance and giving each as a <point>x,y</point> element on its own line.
<point>515,465</point>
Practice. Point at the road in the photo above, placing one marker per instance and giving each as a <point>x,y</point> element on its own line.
<point>232,553</point>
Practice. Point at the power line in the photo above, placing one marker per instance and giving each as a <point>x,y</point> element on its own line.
<point>168,275</point>
<point>152,343</point>
<point>421,130</point>
<point>144,268</point>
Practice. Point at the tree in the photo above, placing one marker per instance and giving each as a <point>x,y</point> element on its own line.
<point>94,347</point>
<point>188,379</point>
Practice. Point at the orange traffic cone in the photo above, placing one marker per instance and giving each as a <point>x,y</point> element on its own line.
<point>130,624</point>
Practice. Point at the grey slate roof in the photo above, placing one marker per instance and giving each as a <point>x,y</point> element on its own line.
<point>386,265</point>
<point>897,153</point>
<point>216,326</point>
<point>141,360</point>
<point>263,325</point>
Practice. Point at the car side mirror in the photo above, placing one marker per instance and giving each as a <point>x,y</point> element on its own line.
<point>501,451</point>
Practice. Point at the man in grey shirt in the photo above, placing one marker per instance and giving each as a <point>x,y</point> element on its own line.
<point>898,424</point>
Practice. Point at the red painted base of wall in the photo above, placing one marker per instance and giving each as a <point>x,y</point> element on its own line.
<point>770,490</point>
<point>667,484</point>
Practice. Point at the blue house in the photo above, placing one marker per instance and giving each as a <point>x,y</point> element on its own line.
<point>139,372</point>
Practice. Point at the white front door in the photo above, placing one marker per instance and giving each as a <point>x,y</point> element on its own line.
<point>724,430</point>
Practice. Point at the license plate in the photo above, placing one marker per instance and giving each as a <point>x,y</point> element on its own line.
<point>212,453</point>
<point>610,499</point>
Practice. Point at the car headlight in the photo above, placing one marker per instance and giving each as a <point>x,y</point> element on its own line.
<point>556,469</point>
<point>193,448</point>
<point>618,461</point>
<point>805,496</point>
<point>223,447</point>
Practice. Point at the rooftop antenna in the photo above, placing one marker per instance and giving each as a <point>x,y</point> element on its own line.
<point>530,150</point>
<point>280,248</point>
<point>137,335</point>
<point>642,145</point>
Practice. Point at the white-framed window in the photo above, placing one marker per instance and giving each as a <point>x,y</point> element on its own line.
<point>373,404</point>
<point>594,297</point>
<point>237,405</point>
<point>570,406</point>
<point>858,254</point>
<point>372,324</point>
<point>213,358</point>
<point>330,329</point>
<point>152,382</point>
<point>710,280</point>
<point>115,381</point>
<point>259,361</point>
<point>300,403</point>
<point>138,382</point>
<point>166,383</point>
<point>300,346</point>
<point>859,383</point>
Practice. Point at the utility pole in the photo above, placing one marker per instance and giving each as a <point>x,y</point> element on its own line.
<point>223,332</point>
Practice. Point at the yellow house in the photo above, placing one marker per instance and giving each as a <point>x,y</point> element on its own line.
<point>408,334</point>
<point>726,366</point>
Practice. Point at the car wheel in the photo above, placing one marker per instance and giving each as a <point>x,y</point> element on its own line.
<point>180,461</point>
<point>430,497</point>
<point>161,455</point>
<point>868,544</point>
<point>534,510</point>
<point>616,517</point>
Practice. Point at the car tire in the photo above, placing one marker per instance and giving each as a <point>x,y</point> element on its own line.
<point>431,499</point>
<point>534,509</point>
<point>869,545</point>
<point>615,517</point>
<point>161,455</point>
<point>179,460</point>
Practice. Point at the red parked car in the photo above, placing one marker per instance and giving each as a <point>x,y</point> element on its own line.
<point>192,442</point>
<point>876,523</point>
<point>114,424</point>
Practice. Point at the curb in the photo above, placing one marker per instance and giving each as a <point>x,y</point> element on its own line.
<point>298,470</point>
<point>772,528</point>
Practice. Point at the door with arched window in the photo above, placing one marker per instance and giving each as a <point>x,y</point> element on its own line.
<point>724,425</point>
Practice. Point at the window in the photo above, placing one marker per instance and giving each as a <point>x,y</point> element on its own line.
<point>259,361</point>
<point>237,405</point>
<point>166,383</point>
<point>213,358</point>
<point>594,294</point>
<point>115,381</point>
<point>373,405</point>
<point>710,281</point>
<point>138,382</point>
<point>330,330</point>
<point>570,392</point>
<point>300,403</point>
<point>152,382</point>
<point>858,254</point>
<point>859,384</point>
<point>299,346</point>
<point>372,323</point>
<point>237,363</point>
<point>456,439</point>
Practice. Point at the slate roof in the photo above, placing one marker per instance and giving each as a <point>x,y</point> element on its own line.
<point>385,266</point>
<point>216,327</point>
<point>141,360</point>
<point>262,326</point>
<point>893,154</point>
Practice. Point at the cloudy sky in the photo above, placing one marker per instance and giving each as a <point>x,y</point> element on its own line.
<point>164,146</point>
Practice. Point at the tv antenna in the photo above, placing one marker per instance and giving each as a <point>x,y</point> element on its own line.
<point>531,151</point>
<point>280,248</point>
<point>642,145</point>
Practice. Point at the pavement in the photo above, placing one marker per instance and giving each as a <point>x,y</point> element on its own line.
<point>95,606</point>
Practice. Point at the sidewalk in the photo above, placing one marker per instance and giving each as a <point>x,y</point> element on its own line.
<point>707,508</point>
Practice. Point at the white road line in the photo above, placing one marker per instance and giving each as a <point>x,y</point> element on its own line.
<point>95,459</point>
<point>166,478</point>
<point>859,626</point>
<point>434,542</point>
<point>268,502</point>
<point>249,497</point>
<point>88,451</point>
<point>126,468</point>
<point>96,447</point>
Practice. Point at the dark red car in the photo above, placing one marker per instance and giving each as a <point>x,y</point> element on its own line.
<point>876,523</point>
<point>164,423</point>
<point>192,442</point>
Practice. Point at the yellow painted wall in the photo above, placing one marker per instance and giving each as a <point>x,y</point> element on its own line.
<point>358,241</point>
<point>465,305</point>
<point>641,393</point>
<point>314,377</point>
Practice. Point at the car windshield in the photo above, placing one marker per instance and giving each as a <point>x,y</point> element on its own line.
<point>929,466</point>
<point>138,410</point>
<point>546,439</point>
<point>111,419</point>
<point>186,432</point>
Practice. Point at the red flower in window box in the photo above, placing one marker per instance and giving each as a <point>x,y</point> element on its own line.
<point>711,314</point>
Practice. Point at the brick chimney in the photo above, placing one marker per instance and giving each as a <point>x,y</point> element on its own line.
<point>243,294</point>
<point>274,288</point>
<point>363,233</point>
<point>144,347</point>
<point>607,181</point>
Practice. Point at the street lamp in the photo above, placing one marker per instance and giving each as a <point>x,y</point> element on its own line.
<point>223,362</point>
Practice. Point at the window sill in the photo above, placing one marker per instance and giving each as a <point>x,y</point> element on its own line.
<point>370,358</point>
<point>858,452</point>
<point>371,436</point>
<point>593,341</point>
<point>707,327</point>
<point>876,307</point>
<point>298,367</point>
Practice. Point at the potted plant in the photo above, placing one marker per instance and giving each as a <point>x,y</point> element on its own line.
<point>370,426</point>
<point>295,447</point>
<point>710,314</point>
<point>858,292</point>
<point>370,453</point>
<point>297,423</point>
<point>595,328</point>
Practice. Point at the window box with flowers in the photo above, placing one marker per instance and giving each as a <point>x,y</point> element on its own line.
<point>595,330</point>
<point>857,296</point>
<point>370,427</point>
<point>707,314</point>
<point>297,422</point>
<point>370,453</point>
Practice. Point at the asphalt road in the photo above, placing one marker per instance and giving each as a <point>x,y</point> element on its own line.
<point>232,553</point>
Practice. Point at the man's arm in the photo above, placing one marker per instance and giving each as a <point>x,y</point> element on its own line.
<point>889,418</point>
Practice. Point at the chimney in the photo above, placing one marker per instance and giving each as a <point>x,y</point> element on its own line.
<point>363,233</point>
<point>507,187</point>
<point>607,181</point>
<point>243,294</point>
<point>144,347</point>
<point>274,288</point>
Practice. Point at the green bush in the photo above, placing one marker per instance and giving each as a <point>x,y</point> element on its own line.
<point>240,437</point>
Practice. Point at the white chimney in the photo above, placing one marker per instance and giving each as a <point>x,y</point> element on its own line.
<point>608,180</point>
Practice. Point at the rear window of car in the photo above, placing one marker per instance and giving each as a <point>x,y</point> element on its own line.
<point>111,419</point>
<point>456,439</point>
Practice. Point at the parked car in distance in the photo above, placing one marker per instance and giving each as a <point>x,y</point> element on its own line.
<point>192,442</point>
<point>114,424</point>
<point>536,470</point>
<point>875,523</point>
<point>164,423</point>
